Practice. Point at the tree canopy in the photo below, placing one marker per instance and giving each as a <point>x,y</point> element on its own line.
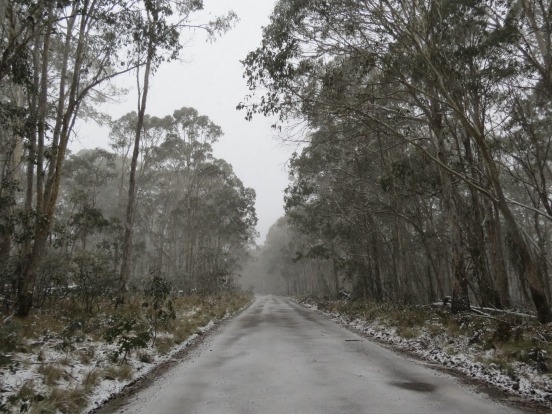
<point>427,157</point>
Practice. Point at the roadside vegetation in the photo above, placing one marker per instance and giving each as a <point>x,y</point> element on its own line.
<point>69,360</point>
<point>422,172</point>
<point>424,164</point>
<point>111,258</point>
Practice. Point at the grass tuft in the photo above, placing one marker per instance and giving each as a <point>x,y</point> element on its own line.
<point>164,344</point>
<point>61,400</point>
<point>51,373</point>
<point>91,379</point>
<point>117,372</point>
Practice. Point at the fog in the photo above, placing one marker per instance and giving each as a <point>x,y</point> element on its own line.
<point>290,263</point>
<point>262,273</point>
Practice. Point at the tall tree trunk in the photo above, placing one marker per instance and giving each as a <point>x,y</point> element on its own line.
<point>474,125</point>
<point>373,252</point>
<point>497,259</point>
<point>64,124</point>
<point>129,222</point>
<point>476,230</point>
<point>460,298</point>
<point>528,263</point>
<point>11,146</point>
<point>335,272</point>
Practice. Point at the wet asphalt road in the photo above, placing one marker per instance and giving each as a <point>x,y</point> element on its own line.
<point>278,357</point>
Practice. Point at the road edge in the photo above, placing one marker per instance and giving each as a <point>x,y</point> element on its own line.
<point>496,394</point>
<point>117,399</point>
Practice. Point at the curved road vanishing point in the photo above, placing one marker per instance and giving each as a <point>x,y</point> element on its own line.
<point>279,357</point>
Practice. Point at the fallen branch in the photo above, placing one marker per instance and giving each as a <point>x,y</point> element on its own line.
<point>509,312</point>
<point>443,303</point>
<point>486,316</point>
<point>8,318</point>
<point>475,310</point>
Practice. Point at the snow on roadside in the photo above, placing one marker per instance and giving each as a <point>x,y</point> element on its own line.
<point>522,380</point>
<point>106,389</point>
<point>81,370</point>
<point>72,370</point>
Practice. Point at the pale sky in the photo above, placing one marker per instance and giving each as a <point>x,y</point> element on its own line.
<point>210,79</point>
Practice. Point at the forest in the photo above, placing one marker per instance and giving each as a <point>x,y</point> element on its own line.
<point>112,259</point>
<point>425,165</point>
<point>96,224</point>
<point>421,182</point>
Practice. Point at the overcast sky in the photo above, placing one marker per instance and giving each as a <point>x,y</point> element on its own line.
<point>210,79</point>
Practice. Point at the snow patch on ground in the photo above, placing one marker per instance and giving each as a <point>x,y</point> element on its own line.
<point>107,389</point>
<point>87,363</point>
<point>69,368</point>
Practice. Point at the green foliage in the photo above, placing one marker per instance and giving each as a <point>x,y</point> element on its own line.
<point>197,208</point>
<point>503,332</point>
<point>8,282</point>
<point>94,279</point>
<point>88,220</point>
<point>55,281</point>
<point>158,290</point>
<point>8,189</point>
<point>403,154</point>
<point>161,310</point>
<point>129,334</point>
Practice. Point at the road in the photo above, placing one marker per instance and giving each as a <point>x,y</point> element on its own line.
<point>279,357</point>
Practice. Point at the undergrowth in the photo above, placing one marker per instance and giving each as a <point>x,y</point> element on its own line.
<point>68,353</point>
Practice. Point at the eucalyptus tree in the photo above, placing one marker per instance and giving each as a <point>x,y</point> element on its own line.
<point>84,194</point>
<point>196,219</point>
<point>367,209</point>
<point>529,27</point>
<point>80,48</point>
<point>530,42</point>
<point>430,73</point>
<point>158,41</point>
<point>224,225</point>
<point>75,46</point>
<point>21,23</point>
<point>205,224</point>
<point>169,171</point>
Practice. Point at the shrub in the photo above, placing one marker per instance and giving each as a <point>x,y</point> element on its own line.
<point>161,310</point>
<point>9,332</point>
<point>54,279</point>
<point>94,278</point>
<point>128,335</point>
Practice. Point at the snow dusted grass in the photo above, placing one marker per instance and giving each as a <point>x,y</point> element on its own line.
<point>60,362</point>
<point>510,351</point>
